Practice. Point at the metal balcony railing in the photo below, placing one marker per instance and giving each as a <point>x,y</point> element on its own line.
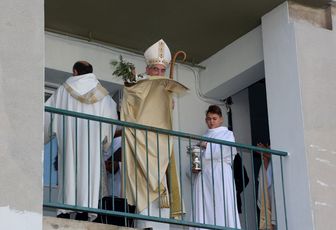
<point>197,193</point>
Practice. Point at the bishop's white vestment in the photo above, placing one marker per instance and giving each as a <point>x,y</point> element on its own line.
<point>215,203</point>
<point>80,153</point>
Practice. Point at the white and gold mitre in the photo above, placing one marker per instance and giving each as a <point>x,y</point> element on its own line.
<point>158,53</point>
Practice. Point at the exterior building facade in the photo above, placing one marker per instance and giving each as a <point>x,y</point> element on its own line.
<point>293,50</point>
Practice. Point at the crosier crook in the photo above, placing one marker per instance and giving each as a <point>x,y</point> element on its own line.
<point>172,63</point>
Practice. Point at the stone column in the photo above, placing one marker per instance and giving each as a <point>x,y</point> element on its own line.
<point>21,113</point>
<point>300,70</point>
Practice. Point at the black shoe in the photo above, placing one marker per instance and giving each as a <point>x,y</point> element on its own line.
<point>64,215</point>
<point>82,216</point>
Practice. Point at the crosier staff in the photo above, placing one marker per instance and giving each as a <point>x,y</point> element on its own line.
<point>172,63</point>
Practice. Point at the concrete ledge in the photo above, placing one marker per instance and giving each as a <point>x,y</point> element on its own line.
<point>52,223</point>
<point>319,17</point>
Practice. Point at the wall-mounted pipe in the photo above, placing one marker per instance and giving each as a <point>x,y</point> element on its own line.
<point>199,93</point>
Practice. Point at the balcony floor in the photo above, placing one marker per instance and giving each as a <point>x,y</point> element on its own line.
<point>52,223</point>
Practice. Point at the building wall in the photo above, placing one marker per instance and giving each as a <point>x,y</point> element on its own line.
<point>285,115</point>
<point>62,52</point>
<point>300,78</point>
<point>235,67</point>
<point>21,113</point>
<point>317,75</point>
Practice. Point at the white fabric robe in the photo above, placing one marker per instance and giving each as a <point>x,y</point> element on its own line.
<point>88,174</point>
<point>224,200</point>
<point>114,180</point>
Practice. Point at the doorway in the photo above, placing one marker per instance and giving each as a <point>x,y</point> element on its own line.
<point>259,124</point>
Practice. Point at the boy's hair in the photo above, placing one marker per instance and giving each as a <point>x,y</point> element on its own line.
<point>215,109</point>
<point>82,67</point>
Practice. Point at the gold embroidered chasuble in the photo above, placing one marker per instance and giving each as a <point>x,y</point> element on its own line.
<point>149,102</point>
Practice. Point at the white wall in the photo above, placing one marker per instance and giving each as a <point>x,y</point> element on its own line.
<point>300,79</point>
<point>235,67</point>
<point>62,52</point>
<point>241,117</point>
<point>286,116</point>
<point>316,49</point>
<point>21,113</point>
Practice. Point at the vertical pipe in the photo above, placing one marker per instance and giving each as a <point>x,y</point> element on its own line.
<point>125,169</point>
<point>148,205</point>
<point>254,192</point>
<point>89,165</point>
<point>223,184</point>
<point>50,157</point>
<point>180,168</point>
<point>136,167</point>
<point>112,171</point>
<point>102,165</point>
<point>191,182</point>
<point>263,185</point>
<point>244,200</point>
<point>283,192</point>
<point>158,164</point>
<point>76,161</point>
<point>213,184</point>
<point>202,179</point>
<point>234,193</point>
<point>169,174</point>
<point>273,195</point>
<point>63,161</point>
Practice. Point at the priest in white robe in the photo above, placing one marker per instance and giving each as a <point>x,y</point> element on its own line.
<point>80,141</point>
<point>214,191</point>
